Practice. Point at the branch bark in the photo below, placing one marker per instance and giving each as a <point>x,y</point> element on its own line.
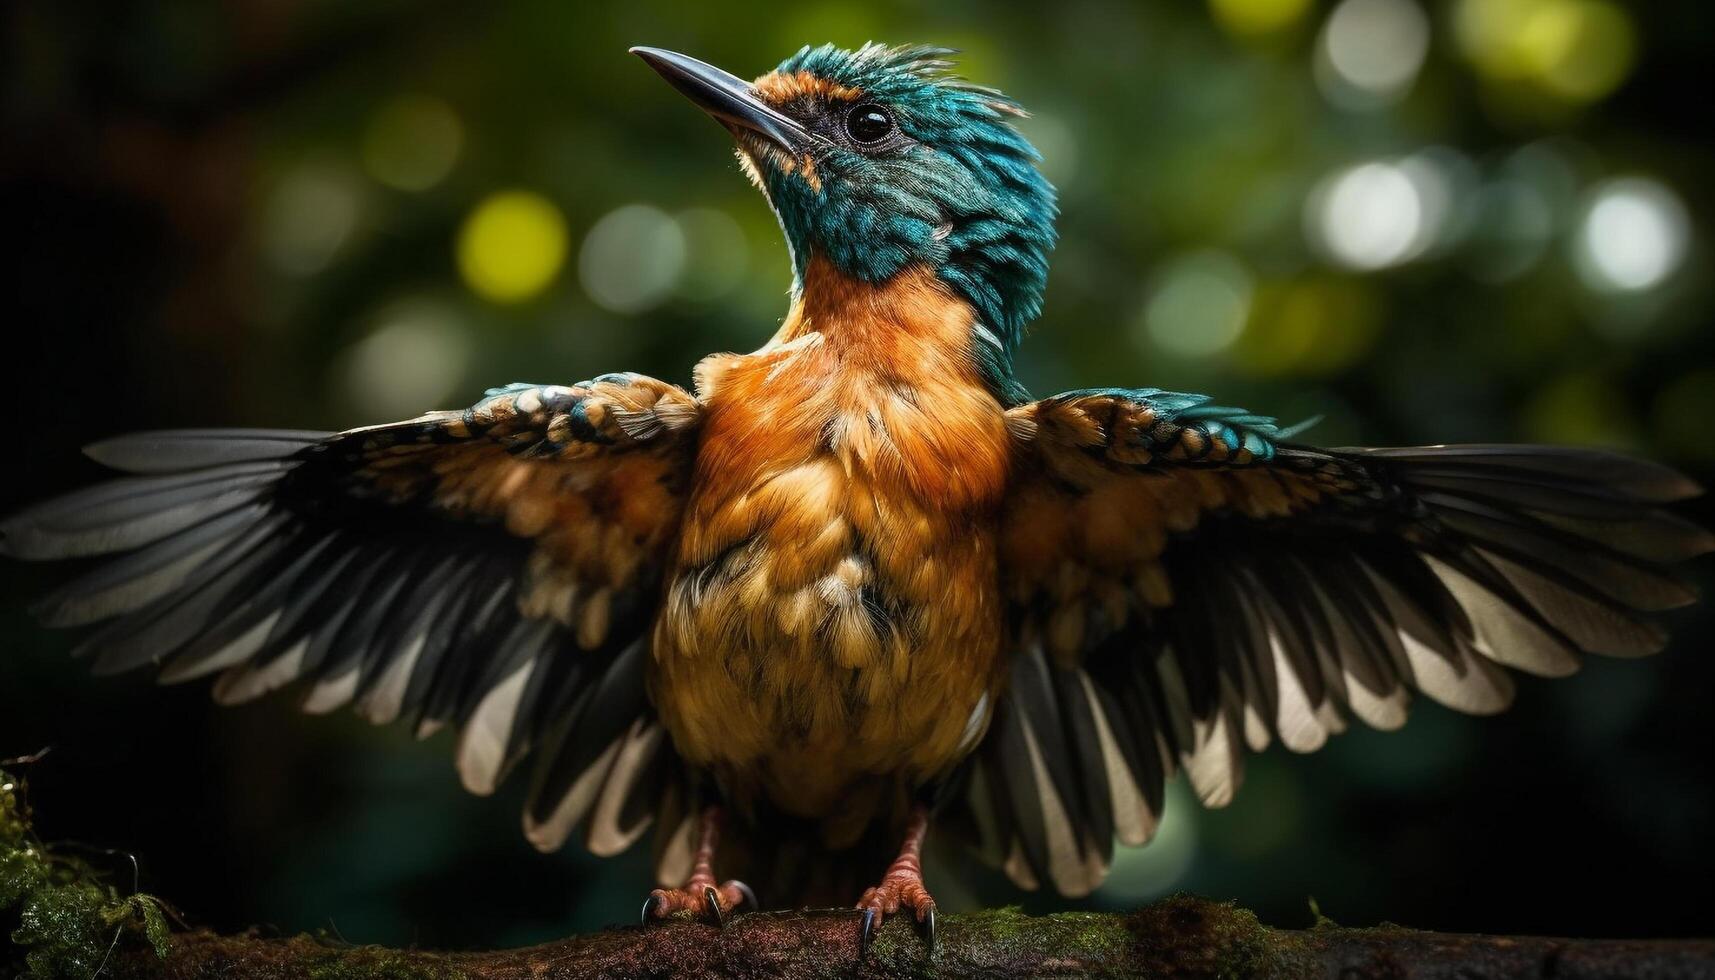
<point>64,920</point>
<point>1178,937</point>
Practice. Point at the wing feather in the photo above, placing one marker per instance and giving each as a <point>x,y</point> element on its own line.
<point>1203,589</point>
<point>492,569</point>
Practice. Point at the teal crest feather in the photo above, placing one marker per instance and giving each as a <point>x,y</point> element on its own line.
<point>961,194</point>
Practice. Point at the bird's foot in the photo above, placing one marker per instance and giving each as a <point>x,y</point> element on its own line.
<point>702,898</point>
<point>901,887</point>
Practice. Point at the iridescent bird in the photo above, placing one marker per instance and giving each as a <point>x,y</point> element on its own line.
<point>857,579</point>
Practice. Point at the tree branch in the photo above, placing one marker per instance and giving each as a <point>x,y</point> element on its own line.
<point>1179,937</point>
<point>65,921</point>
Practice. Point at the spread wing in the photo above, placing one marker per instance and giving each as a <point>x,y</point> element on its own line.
<point>492,569</point>
<point>1185,587</point>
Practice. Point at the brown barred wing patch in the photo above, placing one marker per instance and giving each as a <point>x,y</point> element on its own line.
<point>487,570</point>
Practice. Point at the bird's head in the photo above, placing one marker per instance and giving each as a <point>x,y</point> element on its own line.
<point>877,160</point>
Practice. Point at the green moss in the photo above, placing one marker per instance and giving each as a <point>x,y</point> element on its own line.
<point>1215,939</point>
<point>64,920</point>
<point>374,963</point>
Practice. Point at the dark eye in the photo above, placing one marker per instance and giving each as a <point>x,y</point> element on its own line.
<point>868,122</point>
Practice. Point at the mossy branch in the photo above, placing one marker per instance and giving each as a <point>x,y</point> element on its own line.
<point>66,924</point>
<point>1179,937</point>
<point>62,920</point>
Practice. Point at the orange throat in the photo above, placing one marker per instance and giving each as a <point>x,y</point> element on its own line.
<point>881,376</point>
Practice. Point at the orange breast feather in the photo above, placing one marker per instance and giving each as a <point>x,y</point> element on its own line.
<point>831,633</point>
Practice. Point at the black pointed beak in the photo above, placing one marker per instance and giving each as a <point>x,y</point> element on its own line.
<point>728,98</point>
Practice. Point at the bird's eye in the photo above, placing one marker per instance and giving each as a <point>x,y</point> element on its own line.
<point>868,122</point>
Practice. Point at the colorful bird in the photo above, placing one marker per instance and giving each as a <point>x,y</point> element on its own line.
<point>858,580</point>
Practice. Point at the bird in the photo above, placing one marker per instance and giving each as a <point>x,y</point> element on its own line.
<point>860,582</point>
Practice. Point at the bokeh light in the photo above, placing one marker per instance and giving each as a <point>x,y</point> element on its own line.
<point>1581,50</point>
<point>1575,50</point>
<point>1197,304</point>
<point>309,214</point>
<point>412,142</point>
<point>410,362</point>
<point>512,246</point>
<point>1518,211</point>
<point>1367,217</point>
<point>1250,18</point>
<point>1445,181</point>
<point>1371,51</point>
<point>1139,874</point>
<point>1385,213</point>
<point>1633,235</point>
<point>1514,223</point>
<point>632,258</point>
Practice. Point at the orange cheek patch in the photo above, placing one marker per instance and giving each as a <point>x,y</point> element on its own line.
<point>755,153</point>
<point>777,89</point>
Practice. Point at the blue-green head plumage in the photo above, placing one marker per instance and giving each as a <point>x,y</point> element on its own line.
<point>906,164</point>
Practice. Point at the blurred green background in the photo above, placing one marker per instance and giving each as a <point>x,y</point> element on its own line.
<point>1479,220</point>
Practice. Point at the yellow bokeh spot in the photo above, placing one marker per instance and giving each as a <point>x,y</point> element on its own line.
<point>1316,327</point>
<point>1251,18</point>
<point>1586,51</point>
<point>1488,33</point>
<point>1573,50</point>
<point>512,246</point>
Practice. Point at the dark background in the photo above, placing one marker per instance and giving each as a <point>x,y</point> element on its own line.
<point>277,212</point>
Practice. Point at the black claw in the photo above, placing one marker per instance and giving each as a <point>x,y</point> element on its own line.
<point>929,931</point>
<point>712,899</point>
<point>866,935</point>
<point>747,898</point>
<point>650,904</point>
